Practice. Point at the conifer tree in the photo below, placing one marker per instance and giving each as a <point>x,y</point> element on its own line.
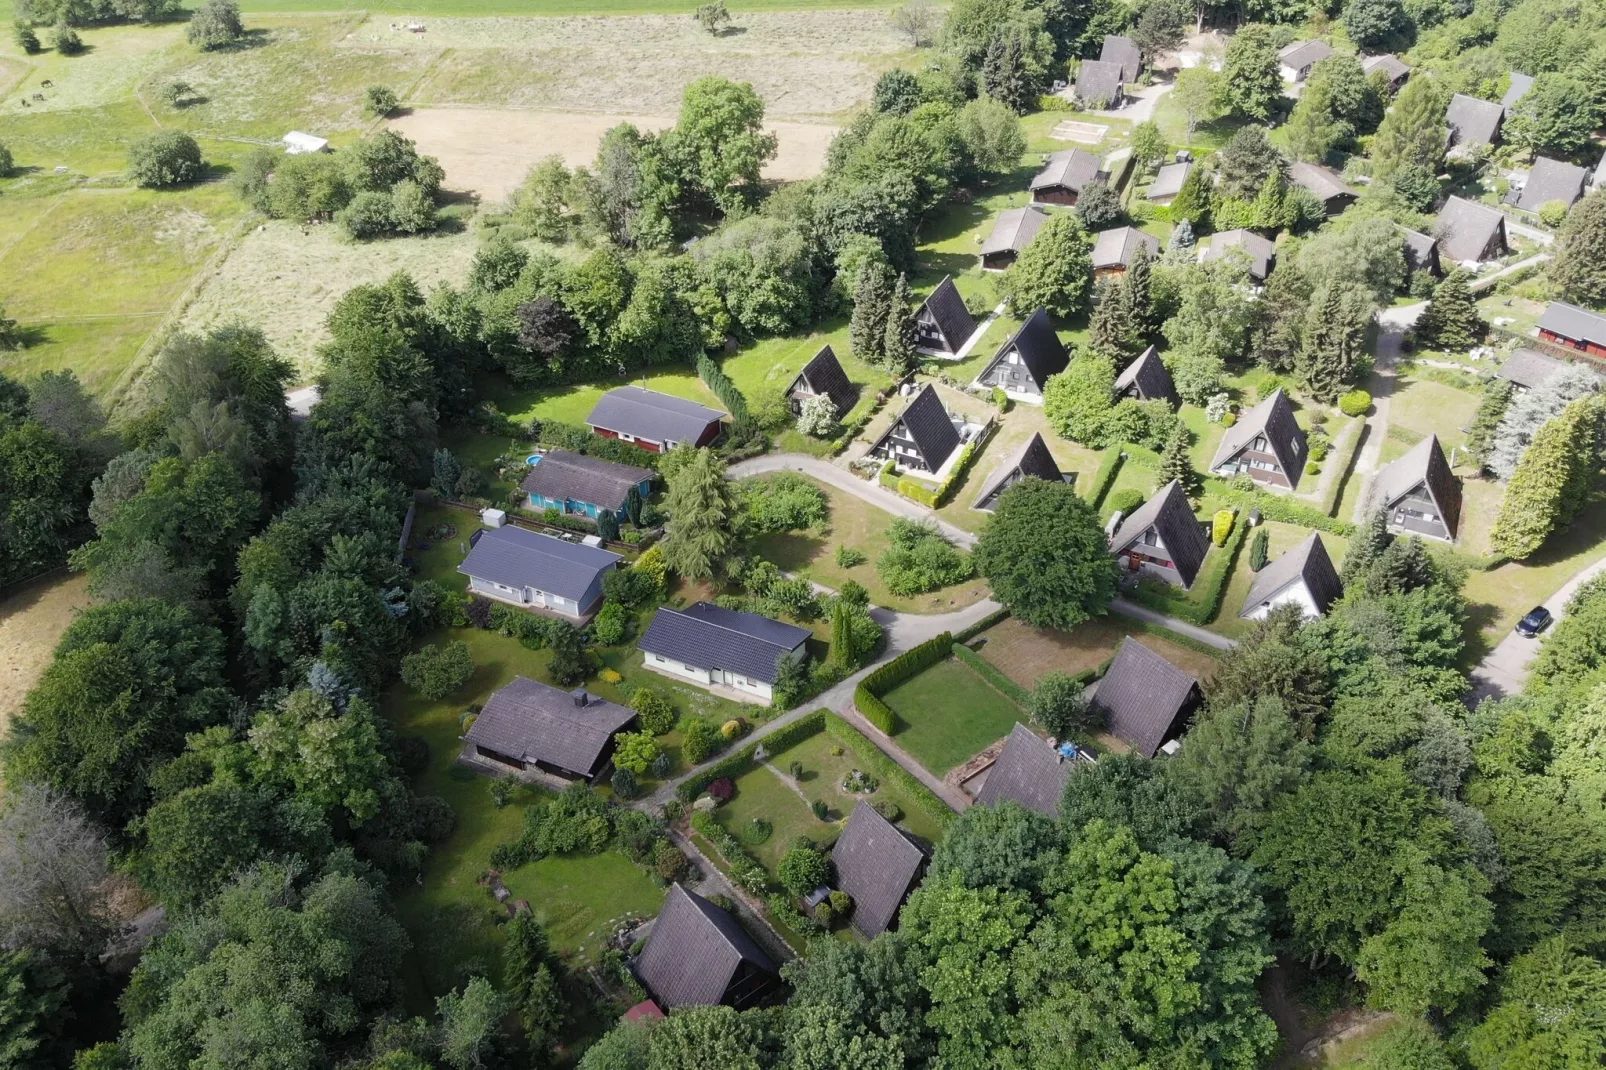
<point>1451,320</point>
<point>841,636</point>
<point>1113,331</point>
<point>701,516</point>
<point>1491,410</point>
<point>1175,463</point>
<point>1551,482</point>
<point>872,300</point>
<point>1139,280</point>
<point>1580,264</point>
<point>1192,202</point>
<point>1413,130</point>
<point>1279,331</point>
<point>1366,547</point>
<point>1335,338</point>
<point>898,344</point>
<point>1270,204</point>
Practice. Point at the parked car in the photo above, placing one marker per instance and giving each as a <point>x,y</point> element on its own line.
<point>1537,620</point>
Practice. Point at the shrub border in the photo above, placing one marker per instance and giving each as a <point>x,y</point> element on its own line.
<point>1203,608</point>
<point>734,765</point>
<point>1017,694</point>
<point>887,769</point>
<point>1104,478</point>
<point>867,696</point>
<point>1275,507</point>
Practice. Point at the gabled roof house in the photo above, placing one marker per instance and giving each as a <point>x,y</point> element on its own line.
<point>1266,443</point>
<point>1473,121</point>
<point>1469,232</point>
<point>652,420</point>
<point>1549,180</point>
<point>1261,252</point>
<point>822,376</point>
<point>1099,85</point>
<point>1124,53</point>
<point>1573,327</point>
<point>1033,460</point>
<point>582,485</point>
<point>1297,59</point>
<point>1421,251</point>
<point>1064,175</point>
<point>1028,771</point>
<point>1115,249</point>
<point>1145,699</point>
<point>1527,368</point>
<point>1419,494</point>
<point>1517,87</point>
<point>1304,576</point>
<point>943,323</point>
<point>529,726</point>
<point>526,568</point>
<point>1324,182</point>
<point>1393,67</point>
<point>1168,182</point>
<point>1023,364</point>
<point>699,955</point>
<point>1146,379</point>
<point>1012,232</point>
<point>923,436</point>
<point>717,647</point>
<point>1162,538</point>
<point>878,866</point>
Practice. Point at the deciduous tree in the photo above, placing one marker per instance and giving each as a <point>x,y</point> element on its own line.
<point>1055,271</point>
<point>1580,264</point>
<point>1046,557</point>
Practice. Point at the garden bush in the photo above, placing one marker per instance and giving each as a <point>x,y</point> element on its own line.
<point>624,783</point>
<point>1126,500</point>
<point>802,870</point>
<point>848,557</point>
<point>634,751</point>
<point>784,501</point>
<point>1312,468</point>
<point>610,625</point>
<point>66,40</point>
<point>379,101</point>
<point>1228,419</point>
<point>701,741</point>
<point>436,671</point>
<point>1109,467</point>
<point>796,769</point>
<point>661,765</point>
<point>215,23</point>
<point>756,831</point>
<point>165,158</point>
<point>887,809</point>
<point>820,809</point>
<point>1258,550</point>
<point>1221,526</point>
<point>1355,403</point>
<point>920,559</point>
<point>858,782</point>
<point>722,789</point>
<point>657,715</point>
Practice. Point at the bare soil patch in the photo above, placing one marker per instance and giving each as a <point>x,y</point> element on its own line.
<point>286,279</point>
<point>31,621</point>
<point>1024,653</point>
<point>804,64</point>
<point>488,150</point>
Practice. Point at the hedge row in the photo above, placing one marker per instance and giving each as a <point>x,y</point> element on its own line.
<point>917,491</point>
<point>1104,478</point>
<point>867,696</point>
<point>989,672</point>
<point>875,711</point>
<point>714,377</point>
<point>887,769</point>
<point>734,765</point>
<point>1276,507</point>
<point>965,635</point>
<point>1201,606</point>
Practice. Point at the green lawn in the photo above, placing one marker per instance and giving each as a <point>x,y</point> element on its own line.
<point>855,523</point>
<point>948,713</point>
<point>1015,428</point>
<point>571,404</point>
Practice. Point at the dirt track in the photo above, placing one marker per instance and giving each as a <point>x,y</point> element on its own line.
<point>488,150</point>
<point>31,621</point>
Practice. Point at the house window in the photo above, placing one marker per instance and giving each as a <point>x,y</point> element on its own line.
<point>1293,447</point>
<point>626,438</point>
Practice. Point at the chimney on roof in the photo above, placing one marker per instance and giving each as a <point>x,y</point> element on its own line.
<point>580,697</point>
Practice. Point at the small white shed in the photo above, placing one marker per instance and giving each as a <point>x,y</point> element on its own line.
<point>493,518</point>
<point>296,143</point>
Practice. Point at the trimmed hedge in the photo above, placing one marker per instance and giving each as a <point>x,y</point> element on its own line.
<point>714,377</point>
<point>1168,634</point>
<point>867,696</point>
<point>872,709</point>
<point>1276,507</point>
<point>1345,462</point>
<point>739,762</point>
<point>989,672</point>
<point>1104,478</point>
<point>887,769</point>
<point>917,491</point>
<point>1201,606</point>
<point>965,635</point>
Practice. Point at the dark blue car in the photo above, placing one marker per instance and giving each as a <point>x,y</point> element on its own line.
<point>1537,620</point>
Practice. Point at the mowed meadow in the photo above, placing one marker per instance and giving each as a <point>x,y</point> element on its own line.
<point>99,272</point>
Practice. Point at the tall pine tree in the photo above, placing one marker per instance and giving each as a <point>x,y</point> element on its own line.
<point>1552,481</point>
<point>1139,281</point>
<point>1413,130</point>
<point>1192,202</point>
<point>1176,464</point>
<point>1279,330</point>
<point>701,516</point>
<point>1112,331</point>
<point>898,343</point>
<point>1491,410</point>
<point>872,301</point>
<point>1451,321</point>
<point>1580,264</point>
<point>1335,338</point>
<point>1366,547</point>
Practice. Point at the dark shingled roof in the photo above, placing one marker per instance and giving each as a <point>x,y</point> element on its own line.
<point>875,864</point>
<point>1124,52</point>
<point>578,478</point>
<point>1389,63</point>
<point>1143,696</point>
<point>1169,179</point>
<point>947,308</point>
<point>1421,250</point>
<point>1570,321</point>
<point>1422,463</point>
<point>521,558</point>
<point>1071,168</point>
<point>1309,562</point>
<point>1302,54</point>
<point>1465,228</point>
<point>824,375</point>
<point>1322,181</point>
<point>1032,459</point>
<point>1014,229</point>
<point>652,416</point>
<point>1169,513</point>
<point>706,635</point>
<point>534,722</point>
<point>1041,351</point>
<point>1274,418</point>
<point>1116,247</point>
<point>927,423</point>
<point>1148,378</point>
<point>1099,83</point>
<point>694,950</point>
<point>1261,251</point>
<point>1473,121</point>
<point>1517,89</point>
<point>1551,180</point>
<point>1528,368</point>
<point>1028,771</point>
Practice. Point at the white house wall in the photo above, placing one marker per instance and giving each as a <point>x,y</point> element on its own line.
<point>706,677</point>
<point>1295,593</point>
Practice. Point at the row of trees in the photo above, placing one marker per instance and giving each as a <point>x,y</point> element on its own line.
<point>379,186</point>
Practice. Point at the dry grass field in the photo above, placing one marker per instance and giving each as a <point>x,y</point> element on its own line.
<point>1024,653</point>
<point>31,621</point>
<point>804,64</point>
<point>487,151</point>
